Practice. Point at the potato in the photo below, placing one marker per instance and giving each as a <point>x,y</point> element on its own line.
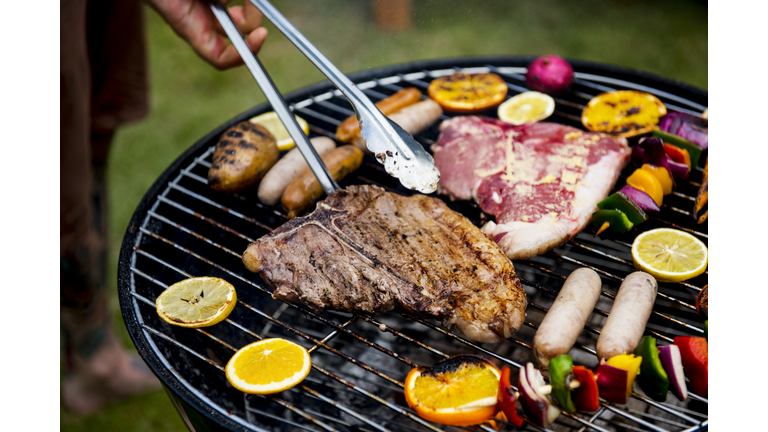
<point>243,155</point>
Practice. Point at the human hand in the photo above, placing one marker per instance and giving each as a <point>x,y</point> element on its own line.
<point>194,21</point>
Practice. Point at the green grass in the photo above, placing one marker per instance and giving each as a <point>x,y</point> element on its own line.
<point>189,98</point>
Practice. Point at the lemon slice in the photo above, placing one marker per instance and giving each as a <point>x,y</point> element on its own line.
<point>527,107</point>
<point>274,125</point>
<point>196,302</point>
<point>268,366</point>
<point>669,255</point>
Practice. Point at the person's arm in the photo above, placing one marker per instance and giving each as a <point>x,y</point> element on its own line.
<point>194,21</point>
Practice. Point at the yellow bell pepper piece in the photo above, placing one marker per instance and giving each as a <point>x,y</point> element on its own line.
<point>631,364</point>
<point>662,175</point>
<point>648,183</point>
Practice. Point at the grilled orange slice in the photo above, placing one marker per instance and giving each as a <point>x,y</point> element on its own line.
<point>624,113</point>
<point>458,391</point>
<point>463,93</point>
<point>268,366</point>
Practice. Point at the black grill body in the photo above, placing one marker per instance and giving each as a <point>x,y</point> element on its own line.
<point>182,228</point>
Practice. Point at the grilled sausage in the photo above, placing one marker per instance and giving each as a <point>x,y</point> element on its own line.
<point>567,316</point>
<point>286,169</point>
<point>349,129</point>
<point>630,312</point>
<point>244,153</point>
<point>413,119</point>
<point>305,190</point>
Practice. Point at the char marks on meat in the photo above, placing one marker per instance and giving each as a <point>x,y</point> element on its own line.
<point>540,181</point>
<point>368,251</point>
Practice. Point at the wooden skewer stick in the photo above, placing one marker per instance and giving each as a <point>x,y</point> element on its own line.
<point>547,389</point>
<point>603,227</point>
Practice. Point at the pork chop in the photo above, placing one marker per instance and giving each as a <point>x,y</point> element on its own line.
<point>540,181</point>
<point>367,251</point>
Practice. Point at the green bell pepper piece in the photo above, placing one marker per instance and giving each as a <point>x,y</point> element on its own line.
<point>619,201</point>
<point>618,220</point>
<point>653,378</point>
<point>693,150</point>
<point>706,330</point>
<point>560,373</point>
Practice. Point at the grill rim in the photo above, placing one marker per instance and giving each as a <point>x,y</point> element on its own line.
<point>172,384</point>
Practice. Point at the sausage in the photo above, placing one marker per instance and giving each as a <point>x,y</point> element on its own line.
<point>567,316</point>
<point>305,190</point>
<point>413,119</point>
<point>349,129</point>
<point>287,168</point>
<point>630,312</point>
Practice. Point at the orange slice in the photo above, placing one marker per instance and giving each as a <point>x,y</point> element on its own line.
<point>458,391</point>
<point>463,93</point>
<point>623,112</point>
<point>268,366</point>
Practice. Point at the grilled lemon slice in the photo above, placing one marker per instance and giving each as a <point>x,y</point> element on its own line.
<point>669,255</point>
<point>274,125</point>
<point>623,112</point>
<point>527,107</point>
<point>196,302</point>
<point>268,366</point>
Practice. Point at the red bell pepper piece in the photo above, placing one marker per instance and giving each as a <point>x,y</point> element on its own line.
<point>586,396</point>
<point>695,357</point>
<point>678,155</point>
<point>507,398</point>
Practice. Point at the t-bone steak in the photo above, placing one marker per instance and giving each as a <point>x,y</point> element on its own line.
<point>366,250</point>
<point>540,181</point>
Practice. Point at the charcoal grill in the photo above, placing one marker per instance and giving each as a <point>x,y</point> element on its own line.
<point>182,229</point>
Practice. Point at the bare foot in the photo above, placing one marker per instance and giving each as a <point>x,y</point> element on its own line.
<point>108,375</point>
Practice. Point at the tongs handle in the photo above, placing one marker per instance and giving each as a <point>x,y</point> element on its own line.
<point>275,99</point>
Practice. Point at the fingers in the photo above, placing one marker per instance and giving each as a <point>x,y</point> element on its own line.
<point>229,57</point>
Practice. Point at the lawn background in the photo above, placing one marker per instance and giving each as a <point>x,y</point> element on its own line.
<point>189,98</point>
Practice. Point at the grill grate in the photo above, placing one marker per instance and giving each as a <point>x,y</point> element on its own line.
<point>183,229</point>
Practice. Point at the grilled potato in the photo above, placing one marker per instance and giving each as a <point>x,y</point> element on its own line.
<point>243,155</point>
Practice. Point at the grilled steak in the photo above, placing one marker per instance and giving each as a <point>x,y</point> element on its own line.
<point>368,251</point>
<point>541,181</point>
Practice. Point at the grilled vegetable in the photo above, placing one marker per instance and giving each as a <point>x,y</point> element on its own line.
<point>693,150</point>
<point>640,198</point>
<point>243,155</point>
<point>631,364</point>
<point>287,168</point>
<point>549,74</point>
<point>612,383</point>
<point>693,128</point>
<point>653,379</point>
<point>305,190</point>
<point>585,397</point>
<point>349,129</point>
<point>560,374</point>
<point>537,405</point>
<point>613,219</point>
<point>651,151</point>
<point>678,154</point>
<point>695,357</point>
<point>673,366</point>
<point>620,202</point>
<point>507,398</point>
<point>702,198</point>
<point>648,183</point>
<point>661,174</point>
<point>702,301</point>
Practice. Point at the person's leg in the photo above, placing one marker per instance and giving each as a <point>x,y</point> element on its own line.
<point>97,367</point>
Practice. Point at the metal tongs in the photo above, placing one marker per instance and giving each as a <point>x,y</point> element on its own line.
<point>401,155</point>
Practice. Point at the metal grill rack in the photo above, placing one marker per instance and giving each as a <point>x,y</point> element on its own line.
<point>182,229</point>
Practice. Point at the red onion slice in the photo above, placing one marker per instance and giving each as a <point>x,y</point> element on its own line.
<point>612,383</point>
<point>673,366</point>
